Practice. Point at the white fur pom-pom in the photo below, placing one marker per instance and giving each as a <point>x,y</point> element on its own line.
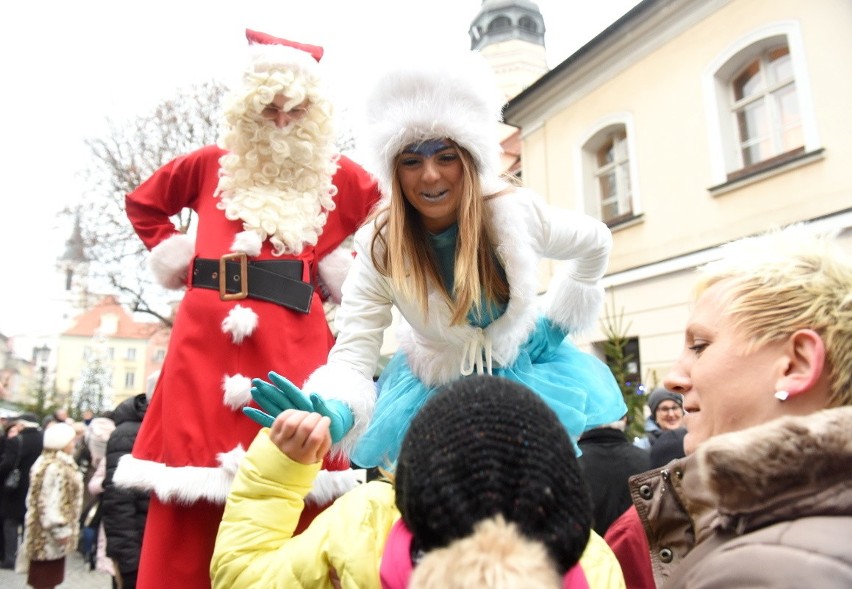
<point>333,269</point>
<point>248,242</point>
<point>237,390</point>
<point>169,260</point>
<point>240,323</point>
<point>496,554</point>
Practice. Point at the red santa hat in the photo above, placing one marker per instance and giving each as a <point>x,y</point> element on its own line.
<point>270,54</point>
<point>258,38</point>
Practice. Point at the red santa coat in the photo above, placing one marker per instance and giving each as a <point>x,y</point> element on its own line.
<point>188,424</point>
<point>194,433</point>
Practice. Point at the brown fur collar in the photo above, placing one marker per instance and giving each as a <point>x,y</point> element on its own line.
<point>791,463</point>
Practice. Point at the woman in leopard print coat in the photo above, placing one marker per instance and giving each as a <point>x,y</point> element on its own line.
<point>54,502</point>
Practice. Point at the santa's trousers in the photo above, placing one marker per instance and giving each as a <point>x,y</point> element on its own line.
<point>178,543</point>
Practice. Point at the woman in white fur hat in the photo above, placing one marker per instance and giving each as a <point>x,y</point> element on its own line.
<point>456,249</point>
<point>54,502</point>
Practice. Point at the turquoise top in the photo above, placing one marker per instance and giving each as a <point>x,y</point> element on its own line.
<point>579,388</point>
<point>444,246</point>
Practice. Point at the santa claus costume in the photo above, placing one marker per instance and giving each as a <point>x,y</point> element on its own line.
<point>272,202</point>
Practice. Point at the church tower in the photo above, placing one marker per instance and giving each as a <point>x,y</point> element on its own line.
<point>510,35</point>
<point>73,266</point>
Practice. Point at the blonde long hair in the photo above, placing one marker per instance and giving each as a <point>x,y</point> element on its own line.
<point>401,250</point>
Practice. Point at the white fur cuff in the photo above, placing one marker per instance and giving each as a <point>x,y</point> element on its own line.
<point>573,305</point>
<point>341,382</point>
<point>333,269</point>
<point>169,260</point>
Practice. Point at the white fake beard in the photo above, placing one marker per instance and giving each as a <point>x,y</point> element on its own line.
<point>281,187</point>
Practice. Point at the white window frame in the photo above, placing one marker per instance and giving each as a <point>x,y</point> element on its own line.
<point>717,79</point>
<point>589,186</point>
<point>766,97</point>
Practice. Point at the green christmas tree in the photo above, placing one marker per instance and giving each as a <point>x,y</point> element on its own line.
<point>619,361</point>
<point>94,391</point>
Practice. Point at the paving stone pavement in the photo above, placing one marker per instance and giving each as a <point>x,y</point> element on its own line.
<point>77,576</point>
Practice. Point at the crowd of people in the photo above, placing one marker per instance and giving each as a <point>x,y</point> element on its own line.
<point>65,500</point>
<point>500,446</point>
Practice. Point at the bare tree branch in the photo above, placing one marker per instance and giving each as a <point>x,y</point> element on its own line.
<point>120,161</point>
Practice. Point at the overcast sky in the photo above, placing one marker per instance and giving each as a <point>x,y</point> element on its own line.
<point>68,66</point>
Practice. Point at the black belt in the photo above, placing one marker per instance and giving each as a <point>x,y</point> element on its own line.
<point>235,277</point>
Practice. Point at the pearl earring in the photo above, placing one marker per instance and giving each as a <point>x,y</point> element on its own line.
<point>782,395</point>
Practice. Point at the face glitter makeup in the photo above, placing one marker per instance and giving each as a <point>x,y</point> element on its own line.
<point>427,148</point>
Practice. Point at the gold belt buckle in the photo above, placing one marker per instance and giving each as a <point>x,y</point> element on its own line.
<point>223,277</point>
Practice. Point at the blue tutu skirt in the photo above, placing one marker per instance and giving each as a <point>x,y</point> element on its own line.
<point>576,385</point>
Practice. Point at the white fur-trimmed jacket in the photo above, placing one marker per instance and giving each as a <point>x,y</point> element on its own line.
<point>526,230</point>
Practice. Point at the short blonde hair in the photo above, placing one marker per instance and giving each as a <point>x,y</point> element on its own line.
<point>790,279</point>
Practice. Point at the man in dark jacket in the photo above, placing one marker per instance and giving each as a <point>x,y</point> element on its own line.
<point>23,446</point>
<point>124,511</point>
<point>608,460</point>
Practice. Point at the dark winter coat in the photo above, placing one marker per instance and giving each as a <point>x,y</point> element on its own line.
<point>669,445</point>
<point>26,445</point>
<point>124,511</point>
<point>608,460</point>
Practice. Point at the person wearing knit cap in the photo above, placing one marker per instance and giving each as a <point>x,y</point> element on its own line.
<point>665,410</point>
<point>455,248</point>
<point>485,463</point>
<point>275,205</point>
<point>54,503</point>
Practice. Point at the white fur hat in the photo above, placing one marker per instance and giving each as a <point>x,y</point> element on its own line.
<point>438,96</point>
<point>58,435</point>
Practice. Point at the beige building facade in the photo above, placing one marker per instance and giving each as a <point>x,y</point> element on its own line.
<point>106,334</point>
<point>686,124</point>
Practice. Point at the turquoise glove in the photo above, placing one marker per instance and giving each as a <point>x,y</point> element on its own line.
<point>339,414</point>
<point>280,395</point>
